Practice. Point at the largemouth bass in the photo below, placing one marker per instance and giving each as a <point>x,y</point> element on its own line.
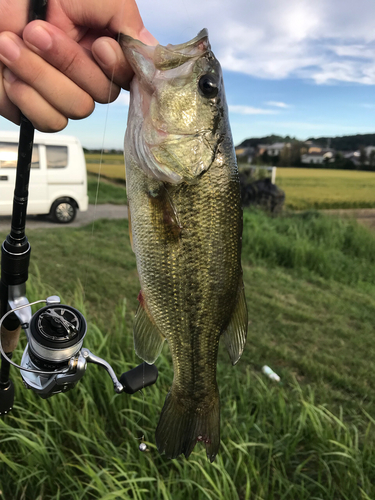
<point>186,225</point>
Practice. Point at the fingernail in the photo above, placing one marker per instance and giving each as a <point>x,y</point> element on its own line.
<point>40,38</point>
<point>9,50</point>
<point>106,54</point>
<point>9,76</point>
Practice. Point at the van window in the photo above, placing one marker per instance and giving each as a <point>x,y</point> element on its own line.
<point>57,156</point>
<point>9,153</point>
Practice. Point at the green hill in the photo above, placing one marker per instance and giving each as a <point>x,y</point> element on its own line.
<point>346,142</point>
<point>343,143</point>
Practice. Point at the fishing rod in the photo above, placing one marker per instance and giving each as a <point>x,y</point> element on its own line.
<point>54,359</point>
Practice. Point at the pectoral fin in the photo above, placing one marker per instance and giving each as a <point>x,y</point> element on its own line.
<point>235,334</point>
<point>148,340</point>
<point>164,213</point>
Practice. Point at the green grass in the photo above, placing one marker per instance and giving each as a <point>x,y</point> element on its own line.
<point>106,191</point>
<point>310,437</point>
<point>311,244</point>
<point>319,188</point>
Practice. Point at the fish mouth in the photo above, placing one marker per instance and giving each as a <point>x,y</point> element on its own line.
<point>163,57</point>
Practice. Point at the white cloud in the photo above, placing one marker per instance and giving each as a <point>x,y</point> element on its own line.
<point>322,40</point>
<point>344,71</point>
<point>249,110</point>
<point>360,51</point>
<point>318,128</point>
<point>278,104</point>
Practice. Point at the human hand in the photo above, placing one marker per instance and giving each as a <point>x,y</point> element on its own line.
<point>55,70</point>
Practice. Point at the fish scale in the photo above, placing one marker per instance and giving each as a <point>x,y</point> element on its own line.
<point>186,234</point>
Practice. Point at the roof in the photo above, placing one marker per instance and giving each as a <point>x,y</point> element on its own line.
<point>322,153</point>
<point>277,145</point>
<point>40,138</point>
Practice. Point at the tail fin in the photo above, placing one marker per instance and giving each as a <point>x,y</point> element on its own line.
<point>179,429</point>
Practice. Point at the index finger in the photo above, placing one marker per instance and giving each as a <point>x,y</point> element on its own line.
<point>115,15</point>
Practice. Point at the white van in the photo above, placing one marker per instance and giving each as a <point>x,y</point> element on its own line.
<point>58,178</point>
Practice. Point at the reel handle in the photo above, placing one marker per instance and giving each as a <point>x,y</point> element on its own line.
<point>131,381</point>
<point>139,377</point>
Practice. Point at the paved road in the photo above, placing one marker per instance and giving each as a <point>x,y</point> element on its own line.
<point>364,216</point>
<point>106,211</point>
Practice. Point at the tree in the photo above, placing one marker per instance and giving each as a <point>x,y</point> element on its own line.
<point>372,160</point>
<point>363,157</point>
<point>290,155</point>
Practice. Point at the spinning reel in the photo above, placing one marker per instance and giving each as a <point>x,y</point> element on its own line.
<point>54,360</point>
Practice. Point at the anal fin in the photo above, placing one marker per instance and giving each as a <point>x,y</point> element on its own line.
<point>148,340</point>
<point>236,332</point>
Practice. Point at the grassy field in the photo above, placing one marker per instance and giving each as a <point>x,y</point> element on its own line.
<point>103,190</point>
<point>307,188</point>
<point>310,288</point>
<point>112,166</point>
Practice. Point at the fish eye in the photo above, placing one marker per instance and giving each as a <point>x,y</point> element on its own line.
<point>208,86</point>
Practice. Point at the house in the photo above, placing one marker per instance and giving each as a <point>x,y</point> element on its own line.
<point>369,150</point>
<point>272,149</point>
<point>353,156</point>
<point>313,148</point>
<point>262,148</point>
<point>320,158</point>
<point>276,148</point>
<point>245,155</point>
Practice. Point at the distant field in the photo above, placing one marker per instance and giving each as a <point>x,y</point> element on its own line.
<point>112,166</point>
<point>323,188</point>
<point>305,188</point>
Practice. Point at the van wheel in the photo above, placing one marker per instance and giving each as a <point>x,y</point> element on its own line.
<point>63,211</point>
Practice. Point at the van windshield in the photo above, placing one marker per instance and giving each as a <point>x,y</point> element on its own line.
<point>9,154</point>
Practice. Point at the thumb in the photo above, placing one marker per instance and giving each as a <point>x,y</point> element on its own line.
<point>110,57</point>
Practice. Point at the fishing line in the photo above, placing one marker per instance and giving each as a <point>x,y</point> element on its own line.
<point>143,372</point>
<point>99,174</point>
<point>90,254</point>
<point>191,18</point>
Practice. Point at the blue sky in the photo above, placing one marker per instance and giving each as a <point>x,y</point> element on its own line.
<point>298,67</point>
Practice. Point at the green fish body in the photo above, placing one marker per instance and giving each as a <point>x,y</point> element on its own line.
<point>186,226</point>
